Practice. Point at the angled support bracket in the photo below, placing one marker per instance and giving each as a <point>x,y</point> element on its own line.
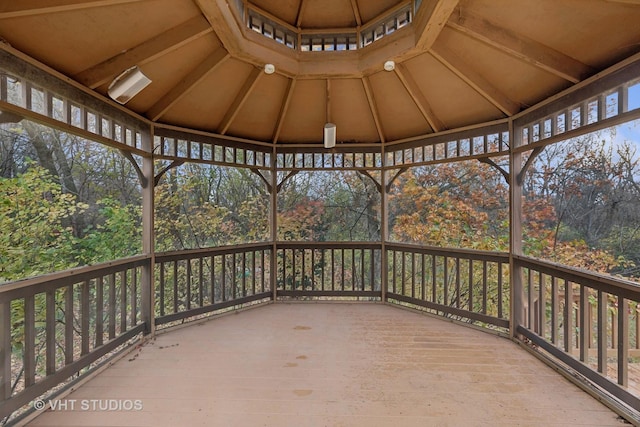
<point>367,174</point>
<point>158,177</point>
<point>496,166</point>
<point>390,183</point>
<point>536,151</point>
<point>136,166</point>
<point>289,175</point>
<point>266,182</point>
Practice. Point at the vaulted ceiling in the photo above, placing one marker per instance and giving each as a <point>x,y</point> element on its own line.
<point>458,63</point>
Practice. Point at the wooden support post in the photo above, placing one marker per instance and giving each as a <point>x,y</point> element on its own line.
<point>384,230</point>
<point>5,350</point>
<point>148,246</point>
<point>273,222</point>
<point>515,232</point>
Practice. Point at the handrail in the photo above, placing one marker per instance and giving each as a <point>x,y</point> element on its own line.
<point>61,323</point>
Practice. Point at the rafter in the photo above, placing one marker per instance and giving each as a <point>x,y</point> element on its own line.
<point>356,12</point>
<point>418,98</point>
<point>431,19</point>
<point>286,100</point>
<point>625,1</point>
<point>373,107</point>
<point>147,51</point>
<point>241,98</point>
<point>194,77</point>
<point>303,5</point>
<point>471,77</point>
<point>520,46</point>
<point>21,8</point>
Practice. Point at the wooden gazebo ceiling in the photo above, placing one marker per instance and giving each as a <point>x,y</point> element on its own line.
<point>458,63</point>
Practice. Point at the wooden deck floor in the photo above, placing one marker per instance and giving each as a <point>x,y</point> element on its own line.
<point>331,365</point>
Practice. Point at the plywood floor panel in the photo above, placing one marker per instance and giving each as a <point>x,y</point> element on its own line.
<point>332,365</point>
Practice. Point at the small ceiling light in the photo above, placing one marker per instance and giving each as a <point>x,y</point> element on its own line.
<point>329,135</point>
<point>389,66</point>
<point>127,85</point>
<point>269,68</point>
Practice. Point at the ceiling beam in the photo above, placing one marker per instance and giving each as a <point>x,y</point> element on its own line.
<point>521,47</point>
<point>431,19</point>
<point>356,12</point>
<point>418,98</point>
<point>241,98</point>
<point>303,5</point>
<point>373,107</point>
<point>286,100</point>
<point>625,1</point>
<point>471,77</point>
<point>146,51</point>
<point>194,77</point>
<point>21,8</point>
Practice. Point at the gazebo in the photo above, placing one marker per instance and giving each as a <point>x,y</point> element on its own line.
<point>376,88</point>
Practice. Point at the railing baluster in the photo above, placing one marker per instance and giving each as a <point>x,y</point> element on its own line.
<point>445,268</point>
<point>200,281</point>
<point>333,273</point>
<point>244,274</point>
<point>554,310</point>
<point>584,322</point>
<point>161,286</point>
<point>500,295</point>
<point>530,306</point>
<point>423,282</point>
<point>568,316</point>
<point>29,341</point>
<point>5,350</point>
<point>253,272</point>
<point>175,286</point>
<point>85,316</point>
<point>224,276</point>
<point>68,325</point>
<point>403,272</point>
<point>213,280</point>
<point>457,282</point>
<point>123,301</point>
<point>470,285</point>
<point>602,332</point>
<point>342,270</point>
<point>293,270</point>
<point>99,311</point>
<point>413,274</point>
<point>50,331</point>
<point>134,296</point>
<point>394,273</point>
<point>112,306</point>
<point>542,305</point>
<point>623,342</point>
<point>434,293</point>
<point>188,285</point>
<point>313,274</point>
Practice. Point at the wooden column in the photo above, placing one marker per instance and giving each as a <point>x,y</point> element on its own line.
<point>148,244</point>
<point>384,229</point>
<point>515,231</point>
<point>273,222</point>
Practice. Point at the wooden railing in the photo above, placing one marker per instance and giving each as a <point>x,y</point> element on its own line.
<point>54,326</point>
<point>196,282</point>
<point>588,321</point>
<point>328,269</point>
<point>467,285</point>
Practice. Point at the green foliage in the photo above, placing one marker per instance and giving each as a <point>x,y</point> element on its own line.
<point>37,236</point>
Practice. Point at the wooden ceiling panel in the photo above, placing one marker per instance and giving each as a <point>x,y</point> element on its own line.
<point>370,9</point>
<point>72,41</point>
<point>573,27</point>
<point>257,117</point>
<point>520,81</point>
<point>350,112</point>
<point>287,10</point>
<point>306,115</point>
<point>166,71</point>
<point>327,14</point>
<point>449,96</point>
<point>400,116</point>
<point>206,104</point>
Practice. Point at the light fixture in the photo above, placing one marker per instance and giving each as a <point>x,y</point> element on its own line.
<point>389,66</point>
<point>127,85</point>
<point>329,135</point>
<point>269,68</point>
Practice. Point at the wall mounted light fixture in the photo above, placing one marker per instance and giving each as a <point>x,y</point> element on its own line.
<point>127,85</point>
<point>329,135</point>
